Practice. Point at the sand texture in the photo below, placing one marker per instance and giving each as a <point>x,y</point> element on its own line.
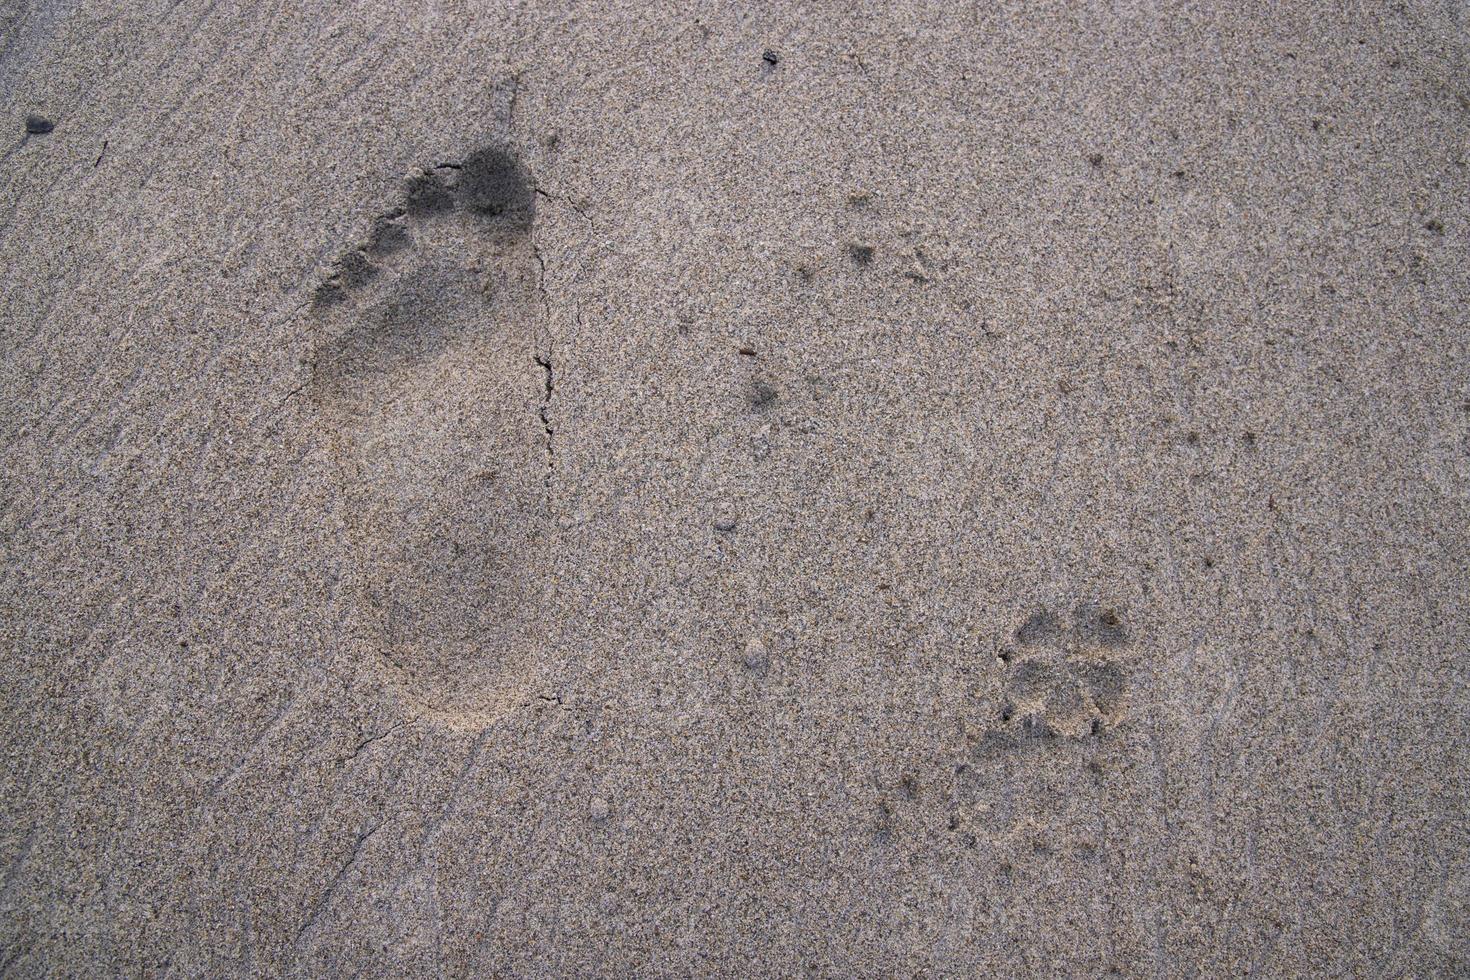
<point>633,490</point>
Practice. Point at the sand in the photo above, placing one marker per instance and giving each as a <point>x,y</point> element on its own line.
<point>631,490</point>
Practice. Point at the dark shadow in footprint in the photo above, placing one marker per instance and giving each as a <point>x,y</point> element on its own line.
<point>428,388</point>
<point>494,185</point>
<point>1040,627</point>
<point>1098,625</point>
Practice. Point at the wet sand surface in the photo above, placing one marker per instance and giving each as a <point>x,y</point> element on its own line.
<point>634,490</point>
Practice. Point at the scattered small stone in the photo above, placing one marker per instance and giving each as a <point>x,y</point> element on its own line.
<point>38,125</point>
<point>747,350</point>
<point>860,253</point>
<point>725,518</point>
<point>599,809</point>
<point>771,58</point>
<point>1435,225</point>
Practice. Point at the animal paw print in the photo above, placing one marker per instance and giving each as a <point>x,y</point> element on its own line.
<point>1066,679</point>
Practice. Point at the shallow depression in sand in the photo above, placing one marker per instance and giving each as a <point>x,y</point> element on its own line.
<point>428,387</point>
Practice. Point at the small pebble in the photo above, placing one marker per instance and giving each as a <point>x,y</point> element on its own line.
<point>38,125</point>
<point>599,809</point>
<point>725,519</point>
<point>760,443</point>
<point>757,654</point>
